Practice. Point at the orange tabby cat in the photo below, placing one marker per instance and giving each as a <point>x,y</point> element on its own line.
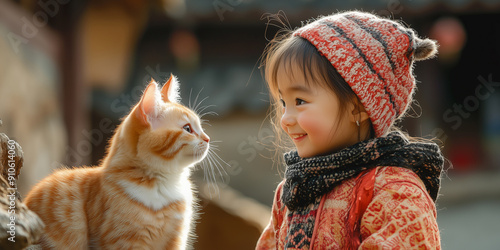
<point>140,196</point>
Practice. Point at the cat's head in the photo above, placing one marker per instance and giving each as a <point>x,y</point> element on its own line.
<point>167,135</point>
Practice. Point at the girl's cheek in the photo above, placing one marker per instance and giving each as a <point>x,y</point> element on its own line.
<point>311,125</point>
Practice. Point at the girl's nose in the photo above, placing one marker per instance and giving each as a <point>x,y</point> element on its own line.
<point>288,119</point>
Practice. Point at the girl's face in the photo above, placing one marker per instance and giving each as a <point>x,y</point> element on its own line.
<point>312,116</point>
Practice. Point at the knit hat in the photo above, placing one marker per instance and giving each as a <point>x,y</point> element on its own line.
<point>374,56</point>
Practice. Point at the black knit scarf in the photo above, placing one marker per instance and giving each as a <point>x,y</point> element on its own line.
<point>308,179</point>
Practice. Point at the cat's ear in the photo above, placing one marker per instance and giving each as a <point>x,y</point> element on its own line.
<point>148,105</point>
<point>170,90</point>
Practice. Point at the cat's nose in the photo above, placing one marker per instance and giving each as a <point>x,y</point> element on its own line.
<point>206,138</point>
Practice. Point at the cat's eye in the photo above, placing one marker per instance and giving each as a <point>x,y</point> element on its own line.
<point>188,128</point>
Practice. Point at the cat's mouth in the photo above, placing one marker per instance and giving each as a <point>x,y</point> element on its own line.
<point>199,152</point>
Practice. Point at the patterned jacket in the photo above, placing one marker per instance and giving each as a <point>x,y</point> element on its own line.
<point>400,215</point>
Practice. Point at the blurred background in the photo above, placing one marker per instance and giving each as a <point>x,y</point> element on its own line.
<point>69,70</point>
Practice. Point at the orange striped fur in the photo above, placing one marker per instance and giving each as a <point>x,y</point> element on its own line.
<point>140,196</point>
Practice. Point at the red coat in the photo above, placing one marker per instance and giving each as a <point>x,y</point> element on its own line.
<point>401,215</point>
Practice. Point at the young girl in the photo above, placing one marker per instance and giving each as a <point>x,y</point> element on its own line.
<point>354,181</point>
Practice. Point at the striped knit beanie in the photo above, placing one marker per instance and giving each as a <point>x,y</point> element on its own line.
<point>374,56</point>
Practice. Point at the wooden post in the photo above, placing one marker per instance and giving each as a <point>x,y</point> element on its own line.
<point>20,227</point>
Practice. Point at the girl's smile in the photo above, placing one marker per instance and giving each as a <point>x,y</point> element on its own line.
<point>298,137</point>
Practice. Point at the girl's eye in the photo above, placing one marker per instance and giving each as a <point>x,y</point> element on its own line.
<point>299,102</point>
<point>188,128</point>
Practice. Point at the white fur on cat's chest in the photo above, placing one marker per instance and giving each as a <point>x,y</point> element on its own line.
<point>161,194</point>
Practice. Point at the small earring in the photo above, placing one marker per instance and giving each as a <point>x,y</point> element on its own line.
<point>357,123</point>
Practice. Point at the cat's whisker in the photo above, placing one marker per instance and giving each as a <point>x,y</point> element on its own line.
<point>203,108</point>
<point>214,183</point>
<point>213,113</point>
<point>189,101</point>
<point>205,166</point>
<point>205,172</point>
<point>212,169</point>
<point>196,99</point>
<point>208,178</point>
<point>216,157</point>
<point>205,122</point>
<point>198,105</point>
<point>222,176</point>
<point>216,167</point>
<point>211,179</point>
<point>219,158</point>
<point>200,109</point>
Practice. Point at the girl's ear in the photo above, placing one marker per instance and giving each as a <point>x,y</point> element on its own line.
<point>358,112</point>
<point>148,105</point>
<point>170,90</point>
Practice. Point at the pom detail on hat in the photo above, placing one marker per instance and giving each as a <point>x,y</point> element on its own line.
<point>425,49</point>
